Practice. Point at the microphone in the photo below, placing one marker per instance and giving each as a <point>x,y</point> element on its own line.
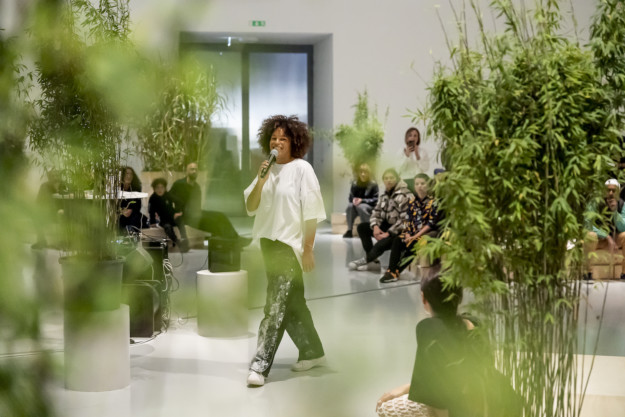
<point>272,160</point>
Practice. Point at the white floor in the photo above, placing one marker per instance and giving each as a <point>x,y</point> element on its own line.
<point>367,329</point>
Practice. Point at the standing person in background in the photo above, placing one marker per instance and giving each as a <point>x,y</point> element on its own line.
<point>363,196</point>
<point>413,158</point>
<point>287,204</point>
<point>387,221</point>
<point>187,197</point>
<point>131,216</point>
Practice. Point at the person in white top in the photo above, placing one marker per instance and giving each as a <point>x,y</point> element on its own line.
<point>287,204</point>
<point>414,159</point>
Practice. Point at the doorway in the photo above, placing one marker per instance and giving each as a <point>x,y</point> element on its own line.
<point>256,81</point>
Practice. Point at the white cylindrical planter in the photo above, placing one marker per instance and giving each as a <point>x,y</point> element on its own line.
<point>97,353</point>
<point>222,303</point>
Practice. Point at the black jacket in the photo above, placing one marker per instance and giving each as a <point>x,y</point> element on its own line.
<point>368,193</point>
<point>163,206</point>
<point>187,198</point>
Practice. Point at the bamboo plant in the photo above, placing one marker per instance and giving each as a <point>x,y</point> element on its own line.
<point>528,134</point>
<point>176,130</point>
<point>361,142</point>
<point>77,131</point>
<point>607,42</point>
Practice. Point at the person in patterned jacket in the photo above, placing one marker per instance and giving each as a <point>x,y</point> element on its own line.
<point>416,226</point>
<point>387,221</point>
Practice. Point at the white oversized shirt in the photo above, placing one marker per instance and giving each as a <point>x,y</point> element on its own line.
<point>290,197</point>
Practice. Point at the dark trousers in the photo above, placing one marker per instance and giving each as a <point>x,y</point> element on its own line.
<point>373,251</point>
<point>399,253</point>
<point>214,222</point>
<point>169,231</point>
<point>285,309</point>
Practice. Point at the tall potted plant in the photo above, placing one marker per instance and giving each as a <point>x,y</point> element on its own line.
<point>176,130</point>
<point>528,134</point>
<point>361,142</point>
<point>77,132</point>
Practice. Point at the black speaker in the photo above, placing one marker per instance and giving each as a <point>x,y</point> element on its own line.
<point>143,301</point>
<point>224,255</point>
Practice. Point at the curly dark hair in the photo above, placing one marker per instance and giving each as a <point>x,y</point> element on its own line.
<point>161,181</point>
<point>135,184</point>
<point>294,129</point>
<point>418,134</point>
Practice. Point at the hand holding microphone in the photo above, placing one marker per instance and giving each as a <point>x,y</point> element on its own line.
<point>266,166</point>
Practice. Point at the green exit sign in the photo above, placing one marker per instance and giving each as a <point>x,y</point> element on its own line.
<point>257,23</point>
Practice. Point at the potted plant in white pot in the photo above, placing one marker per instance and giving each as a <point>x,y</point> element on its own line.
<point>77,132</point>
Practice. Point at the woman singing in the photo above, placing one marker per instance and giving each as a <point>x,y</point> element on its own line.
<point>287,204</point>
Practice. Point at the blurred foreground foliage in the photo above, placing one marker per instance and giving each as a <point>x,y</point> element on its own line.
<point>77,131</point>
<point>74,89</point>
<point>21,381</point>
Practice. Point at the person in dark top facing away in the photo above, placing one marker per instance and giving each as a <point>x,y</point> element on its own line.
<point>187,197</point>
<point>454,368</point>
<point>130,216</point>
<point>363,196</point>
<point>162,213</point>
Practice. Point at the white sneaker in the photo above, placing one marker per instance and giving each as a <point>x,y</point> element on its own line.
<point>371,266</point>
<point>353,265</point>
<point>305,365</point>
<point>254,379</point>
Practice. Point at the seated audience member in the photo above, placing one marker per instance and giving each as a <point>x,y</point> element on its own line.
<point>386,222</point>
<point>187,197</point>
<point>413,159</point>
<point>613,237</point>
<point>453,369</point>
<point>131,216</point>
<point>363,197</point>
<point>162,213</point>
<point>416,226</point>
